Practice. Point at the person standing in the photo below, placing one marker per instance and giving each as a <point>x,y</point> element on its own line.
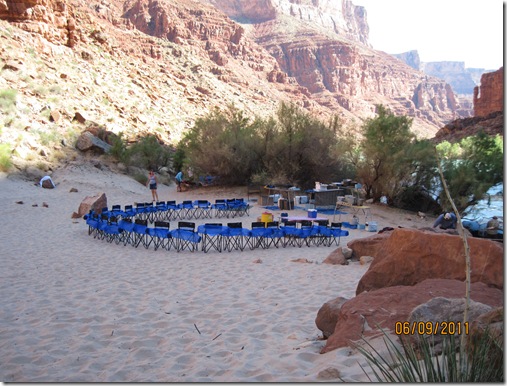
<point>446,221</point>
<point>152,182</point>
<point>179,180</point>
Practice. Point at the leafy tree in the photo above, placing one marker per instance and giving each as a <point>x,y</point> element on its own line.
<point>384,163</point>
<point>224,144</point>
<point>302,148</point>
<point>471,167</point>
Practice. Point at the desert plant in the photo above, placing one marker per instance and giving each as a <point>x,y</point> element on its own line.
<point>7,100</point>
<point>417,363</point>
<point>5,157</point>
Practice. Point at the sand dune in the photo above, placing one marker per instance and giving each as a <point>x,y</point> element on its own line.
<point>79,309</point>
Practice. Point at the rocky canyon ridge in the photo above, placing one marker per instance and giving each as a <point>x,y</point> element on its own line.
<point>146,66</point>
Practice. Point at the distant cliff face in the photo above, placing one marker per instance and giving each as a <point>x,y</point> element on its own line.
<point>463,80</point>
<point>341,17</point>
<point>411,58</point>
<point>453,73</point>
<point>488,97</point>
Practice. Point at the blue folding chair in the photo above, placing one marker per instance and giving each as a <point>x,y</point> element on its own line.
<point>335,232</point>
<point>291,233</point>
<point>187,209</point>
<point>173,210</point>
<point>274,237</point>
<point>159,235</point>
<point>257,235</point>
<point>128,212</point>
<point>127,227</point>
<point>305,233</point>
<point>139,232</point>
<point>236,237</point>
<point>211,238</point>
<point>111,230</point>
<point>320,232</point>
<point>202,209</point>
<point>185,237</point>
<point>220,208</point>
<point>92,220</point>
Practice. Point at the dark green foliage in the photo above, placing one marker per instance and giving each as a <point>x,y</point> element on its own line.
<point>292,148</point>
<point>118,148</point>
<point>385,164</point>
<point>471,167</point>
<point>147,153</point>
<point>223,144</point>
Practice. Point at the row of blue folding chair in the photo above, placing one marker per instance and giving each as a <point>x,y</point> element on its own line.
<point>265,235</point>
<point>138,232</point>
<point>213,235</point>
<point>230,207</point>
<point>170,210</point>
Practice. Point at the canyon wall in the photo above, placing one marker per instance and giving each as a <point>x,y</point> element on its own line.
<point>488,97</point>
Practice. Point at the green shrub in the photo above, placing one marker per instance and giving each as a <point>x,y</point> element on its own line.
<point>5,157</point>
<point>7,100</point>
<point>148,153</point>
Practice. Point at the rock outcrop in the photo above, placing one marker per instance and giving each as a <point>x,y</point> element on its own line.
<point>491,124</point>
<point>364,314</point>
<point>50,19</point>
<point>95,203</point>
<point>410,256</point>
<point>488,97</point>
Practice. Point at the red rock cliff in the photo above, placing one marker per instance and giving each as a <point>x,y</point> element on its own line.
<point>488,97</point>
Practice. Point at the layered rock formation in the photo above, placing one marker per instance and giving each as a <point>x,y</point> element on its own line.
<point>345,75</point>
<point>340,17</point>
<point>488,97</point>
<point>410,256</point>
<point>53,20</point>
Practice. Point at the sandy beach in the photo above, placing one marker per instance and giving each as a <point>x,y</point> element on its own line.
<point>79,309</point>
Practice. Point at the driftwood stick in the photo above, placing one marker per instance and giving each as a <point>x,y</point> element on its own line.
<point>217,336</point>
<point>197,329</point>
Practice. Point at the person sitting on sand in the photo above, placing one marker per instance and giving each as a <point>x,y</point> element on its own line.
<point>446,221</point>
<point>152,181</point>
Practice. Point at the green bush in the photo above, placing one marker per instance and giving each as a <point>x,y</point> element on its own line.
<point>471,167</point>
<point>5,157</point>
<point>7,100</point>
<point>147,153</point>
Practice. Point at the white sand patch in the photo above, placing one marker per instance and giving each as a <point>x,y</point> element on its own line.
<point>78,309</point>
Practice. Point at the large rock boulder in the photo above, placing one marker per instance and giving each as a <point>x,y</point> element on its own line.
<point>410,256</point>
<point>368,246</point>
<point>95,203</point>
<point>328,316</point>
<point>364,314</point>
<point>87,141</point>
<point>445,317</point>
<point>336,258</point>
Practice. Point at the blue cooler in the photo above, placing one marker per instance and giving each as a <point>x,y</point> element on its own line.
<point>312,213</point>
